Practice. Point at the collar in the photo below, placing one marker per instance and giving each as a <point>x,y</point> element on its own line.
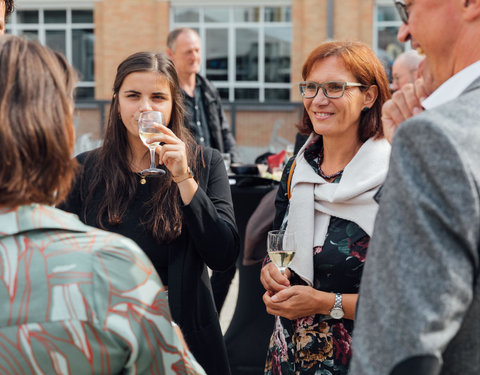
<point>37,216</point>
<point>453,87</point>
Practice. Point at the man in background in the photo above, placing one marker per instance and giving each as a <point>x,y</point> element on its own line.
<point>6,8</point>
<point>404,69</point>
<point>420,294</point>
<point>205,116</point>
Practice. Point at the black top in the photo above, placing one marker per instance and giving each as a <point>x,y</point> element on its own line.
<point>209,237</point>
<point>221,136</point>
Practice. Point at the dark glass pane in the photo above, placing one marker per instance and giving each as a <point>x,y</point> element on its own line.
<point>246,55</point>
<point>216,55</point>
<point>216,15</point>
<point>387,13</point>
<point>82,16</point>
<point>29,34</point>
<point>277,95</point>
<point>277,14</point>
<point>278,42</point>
<point>223,91</point>
<point>55,16</point>
<point>247,95</point>
<point>82,53</point>
<point>388,47</point>
<point>84,93</point>
<point>27,16</point>
<point>250,14</point>
<point>56,40</point>
<point>186,15</point>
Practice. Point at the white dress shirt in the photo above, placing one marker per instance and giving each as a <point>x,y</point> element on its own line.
<point>453,87</point>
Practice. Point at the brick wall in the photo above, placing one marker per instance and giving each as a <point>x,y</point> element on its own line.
<point>123,27</point>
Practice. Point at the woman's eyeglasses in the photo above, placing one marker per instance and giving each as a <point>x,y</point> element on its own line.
<point>331,89</point>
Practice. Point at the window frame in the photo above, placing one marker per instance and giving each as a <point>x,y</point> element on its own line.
<point>232,26</point>
<point>14,28</point>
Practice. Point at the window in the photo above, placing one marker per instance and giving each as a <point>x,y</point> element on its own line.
<point>386,25</point>
<point>69,31</point>
<point>245,49</point>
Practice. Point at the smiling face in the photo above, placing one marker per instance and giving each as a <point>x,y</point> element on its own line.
<point>336,118</point>
<point>426,30</point>
<point>140,92</point>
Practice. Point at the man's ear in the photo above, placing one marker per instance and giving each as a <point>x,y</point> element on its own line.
<point>471,10</point>
<point>169,52</point>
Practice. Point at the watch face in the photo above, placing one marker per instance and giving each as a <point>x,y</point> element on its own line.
<point>337,313</point>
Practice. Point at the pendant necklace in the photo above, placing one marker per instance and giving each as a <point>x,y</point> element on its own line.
<point>143,179</point>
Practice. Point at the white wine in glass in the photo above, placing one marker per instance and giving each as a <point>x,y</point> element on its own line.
<point>147,130</point>
<point>281,248</point>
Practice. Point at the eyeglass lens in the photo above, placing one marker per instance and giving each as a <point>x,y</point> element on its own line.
<point>331,90</point>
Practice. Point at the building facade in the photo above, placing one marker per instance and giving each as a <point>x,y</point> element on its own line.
<point>252,50</point>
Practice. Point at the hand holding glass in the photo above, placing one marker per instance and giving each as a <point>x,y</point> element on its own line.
<point>281,248</point>
<point>147,130</point>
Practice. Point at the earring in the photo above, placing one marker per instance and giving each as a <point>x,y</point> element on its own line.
<point>365,109</point>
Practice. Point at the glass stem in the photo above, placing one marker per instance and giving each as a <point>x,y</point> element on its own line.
<point>152,157</point>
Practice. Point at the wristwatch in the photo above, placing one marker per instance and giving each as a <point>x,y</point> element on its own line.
<point>188,174</point>
<point>337,311</point>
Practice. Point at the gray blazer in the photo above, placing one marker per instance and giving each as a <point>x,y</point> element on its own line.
<point>419,305</point>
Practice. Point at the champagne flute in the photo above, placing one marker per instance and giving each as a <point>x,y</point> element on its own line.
<point>281,248</point>
<point>147,130</point>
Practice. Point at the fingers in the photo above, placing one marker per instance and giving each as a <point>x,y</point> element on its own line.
<point>272,280</point>
<point>172,150</point>
<point>284,294</point>
<point>404,104</point>
<point>422,91</point>
<point>391,117</point>
<point>411,100</point>
<point>286,303</point>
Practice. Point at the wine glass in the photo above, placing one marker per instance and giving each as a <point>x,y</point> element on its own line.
<point>146,130</point>
<point>227,161</point>
<point>281,248</point>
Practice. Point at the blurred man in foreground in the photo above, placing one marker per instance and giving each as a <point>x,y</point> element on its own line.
<point>420,294</point>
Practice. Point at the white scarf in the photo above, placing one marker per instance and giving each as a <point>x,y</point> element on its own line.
<point>314,200</point>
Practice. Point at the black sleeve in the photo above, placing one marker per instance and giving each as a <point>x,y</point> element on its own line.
<point>210,218</point>
<point>281,201</point>
<point>74,202</point>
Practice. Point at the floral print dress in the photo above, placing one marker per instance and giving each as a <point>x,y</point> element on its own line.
<point>318,344</point>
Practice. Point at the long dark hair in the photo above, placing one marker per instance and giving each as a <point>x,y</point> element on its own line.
<point>163,216</point>
<point>367,69</point>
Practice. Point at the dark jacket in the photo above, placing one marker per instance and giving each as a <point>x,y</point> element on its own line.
<point>221,136</point>
<point>209,238</point>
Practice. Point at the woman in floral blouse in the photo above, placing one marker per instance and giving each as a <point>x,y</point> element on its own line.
<point>331,210</point>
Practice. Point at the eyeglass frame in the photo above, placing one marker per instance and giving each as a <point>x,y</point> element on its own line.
<point>322,85</point>
<point>402,11</point>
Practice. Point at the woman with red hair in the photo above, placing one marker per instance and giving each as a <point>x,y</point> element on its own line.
<point>331,210</point>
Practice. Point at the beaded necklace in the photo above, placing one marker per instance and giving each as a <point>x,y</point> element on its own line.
<point>320,172</point>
